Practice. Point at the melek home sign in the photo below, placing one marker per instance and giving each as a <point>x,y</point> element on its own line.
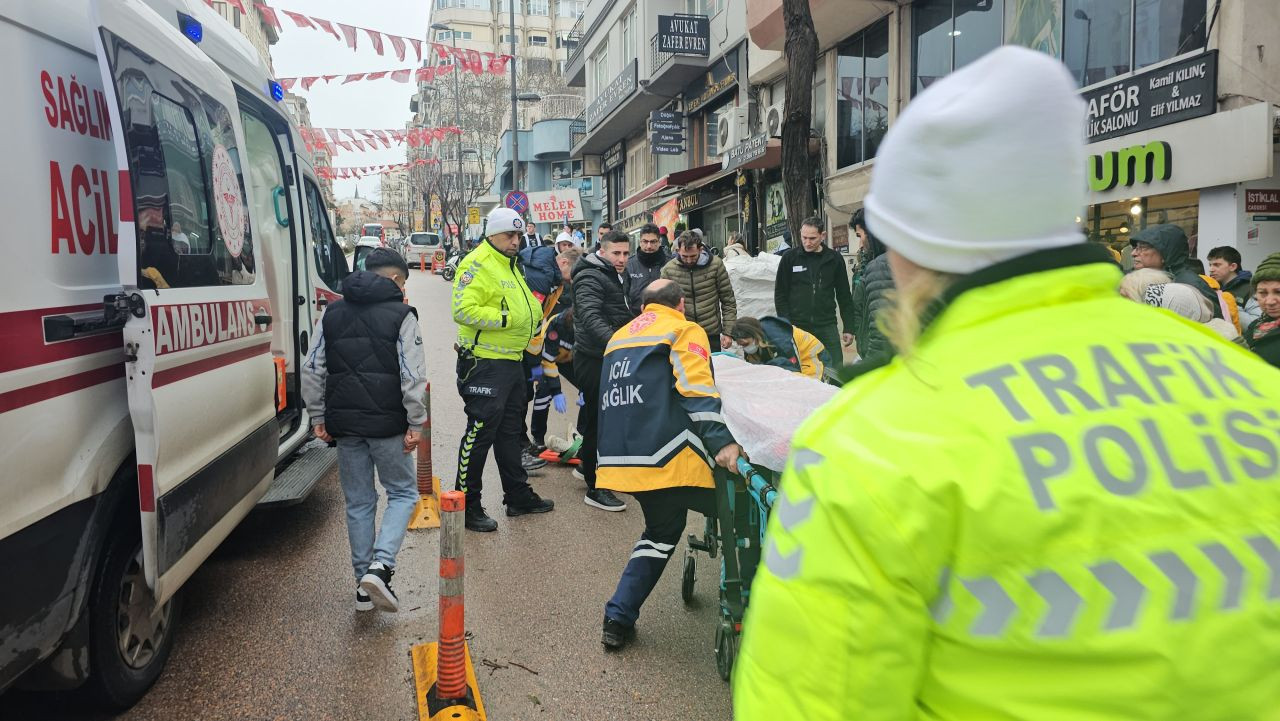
<point>1168,94</point>
<point>684,35</point>
<point>612,95</point>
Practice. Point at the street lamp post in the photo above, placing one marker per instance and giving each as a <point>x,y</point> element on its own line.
<point>1080,14</point>
<point>457,110</point>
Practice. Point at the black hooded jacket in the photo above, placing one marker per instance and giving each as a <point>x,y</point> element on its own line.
<point>362,392</point>
<point>871,285</point>
<point>599,304</point>
<point>642,269</point>
<point>1171,242</point>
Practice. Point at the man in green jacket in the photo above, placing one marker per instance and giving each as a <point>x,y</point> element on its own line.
<point>708,294</point>
<point>1053,504</point>
<point>811,283</point>
<point>497,316</point>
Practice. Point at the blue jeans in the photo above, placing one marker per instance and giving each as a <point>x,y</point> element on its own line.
<point>357,457</point>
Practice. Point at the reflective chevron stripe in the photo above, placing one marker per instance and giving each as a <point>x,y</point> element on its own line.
<point>1000,607</point>
<point>790,514</point>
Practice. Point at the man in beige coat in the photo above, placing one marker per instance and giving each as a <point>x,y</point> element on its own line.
<point>708,296</point>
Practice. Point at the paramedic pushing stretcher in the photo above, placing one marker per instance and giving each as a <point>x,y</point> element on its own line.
<point>660,428</point>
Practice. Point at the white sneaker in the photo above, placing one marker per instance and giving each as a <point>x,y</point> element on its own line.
<point>363,602</point>
<point>578,475</point>
<point>377,583</point>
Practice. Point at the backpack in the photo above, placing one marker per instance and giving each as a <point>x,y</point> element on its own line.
<point>1227,302</point>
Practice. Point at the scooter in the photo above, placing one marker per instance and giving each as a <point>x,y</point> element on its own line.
<point>451,265</point>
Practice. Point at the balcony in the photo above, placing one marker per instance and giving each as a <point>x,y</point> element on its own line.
<point>575,67</point>
<point>670,74</point>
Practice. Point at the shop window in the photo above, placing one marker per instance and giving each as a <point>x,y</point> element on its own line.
<point>862,96</point>
<point>1164,29</point>
<point>1115,223</point>
<point>949,34</point>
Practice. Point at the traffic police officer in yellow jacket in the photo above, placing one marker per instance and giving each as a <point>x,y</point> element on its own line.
<point>1053,505</point>
<point>660,429</point>
<point>497,316</point>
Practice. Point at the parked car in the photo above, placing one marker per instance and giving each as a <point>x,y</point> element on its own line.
<point>422,246</point>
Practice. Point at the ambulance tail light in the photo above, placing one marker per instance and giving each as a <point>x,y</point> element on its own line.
<point>282,386</point>
<point>191,28</point>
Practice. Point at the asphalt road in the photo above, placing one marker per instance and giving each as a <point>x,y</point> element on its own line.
<point>269,632</point>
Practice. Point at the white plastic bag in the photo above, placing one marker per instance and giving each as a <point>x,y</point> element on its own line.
<point>764,405</point>
<point>753,280</point>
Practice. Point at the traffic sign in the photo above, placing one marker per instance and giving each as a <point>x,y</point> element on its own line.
<point>516,200</point>
<point>473,215</point>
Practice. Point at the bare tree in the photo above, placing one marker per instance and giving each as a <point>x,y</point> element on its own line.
<point>798,167</point>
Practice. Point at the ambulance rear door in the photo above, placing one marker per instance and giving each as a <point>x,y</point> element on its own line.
<point>201,381</point>
<point>330,265</point>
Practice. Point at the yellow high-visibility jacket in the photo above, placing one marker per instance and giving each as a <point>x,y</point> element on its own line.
<point>496,313</point>
<point>1060,506</point>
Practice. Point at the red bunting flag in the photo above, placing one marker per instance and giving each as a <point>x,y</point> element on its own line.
<point>441,50</point>
<point>499,64</point>
<point>397,43</point>
<point>474,63</point>
<point>299,19</point>
<point>444,70</point>
<point>438,133</point>
<point>401,76</point>
<point>376,38</point>
<point>327,27</point>
<point>426,75</point>
<point>377,76</point>
<point>358,144</point>
<point>349,33</point>
<point>349,133</point>
<point>329,78</point>
<point>353,77</point>
<point>269,16</point>
<point>333,135</point>
<point>417,47</point>
<point>307,82</point>
<point>287,83</point>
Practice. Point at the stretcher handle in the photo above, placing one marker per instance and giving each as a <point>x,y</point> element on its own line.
<point>756,484</point>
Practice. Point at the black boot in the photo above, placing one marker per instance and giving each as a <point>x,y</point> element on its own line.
<point>478,520</point>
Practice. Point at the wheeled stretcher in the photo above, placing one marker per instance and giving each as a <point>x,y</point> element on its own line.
<point>762,406</point>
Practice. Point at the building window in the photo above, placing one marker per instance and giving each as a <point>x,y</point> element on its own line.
<point>566,43</point>
<point>538,40</point>
<point>947,35</point>
<point>570,8</point>
<point>508,38</point>
<point>629,34</point>
<point>537,7</point>
<point>459,34</point>
<point>600,70</point>
<point>862,96</point>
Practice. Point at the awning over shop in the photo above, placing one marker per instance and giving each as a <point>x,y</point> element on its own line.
<point>678,179</point>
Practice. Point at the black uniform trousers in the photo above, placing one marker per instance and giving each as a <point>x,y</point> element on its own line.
<point>587,370</point>
<point>493,394</point>
<point>665,513</point>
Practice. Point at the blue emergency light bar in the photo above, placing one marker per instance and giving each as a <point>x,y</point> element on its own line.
<point>191,27</point>
<point>277,90</point>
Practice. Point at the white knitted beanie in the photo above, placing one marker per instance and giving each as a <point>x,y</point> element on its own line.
<point>986,165</point>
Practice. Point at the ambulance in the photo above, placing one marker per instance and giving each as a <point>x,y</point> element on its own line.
<point>168,254</point>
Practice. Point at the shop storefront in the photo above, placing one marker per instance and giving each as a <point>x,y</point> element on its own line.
<point>1194,174</point>
<point>714,208</point>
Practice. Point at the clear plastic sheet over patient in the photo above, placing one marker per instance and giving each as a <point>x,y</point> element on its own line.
<point>764,405</point>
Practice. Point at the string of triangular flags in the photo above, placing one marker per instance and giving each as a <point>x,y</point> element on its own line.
<point>330,138</point>
<point>469,60</point>
<point>496,65</point>
<point>352,171</point>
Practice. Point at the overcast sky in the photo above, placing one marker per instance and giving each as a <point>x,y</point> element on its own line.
<point>376,104</point>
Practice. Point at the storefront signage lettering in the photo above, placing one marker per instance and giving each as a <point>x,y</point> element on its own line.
<point>664,149</point>
<point>1127,166</point>
<point>612,95</point>
<point>1167,94</point>
<point>613,156</point>
<point>746,151</point>
<point>721,76</point>
<point>632,222</point>
<point>550,206</point>
<point>684,35</point>
<point>1262,201</point>
<point>689,201</point>
<point>669,138</point>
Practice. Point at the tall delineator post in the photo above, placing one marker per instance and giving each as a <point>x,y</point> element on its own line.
<point>451,680</point>
<point>427,512</point>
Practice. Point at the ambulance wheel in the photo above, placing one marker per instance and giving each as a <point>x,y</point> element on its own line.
<point>447,273</point>
<point>726,648</point>
<point>686,579</point>
<point>130,641</point>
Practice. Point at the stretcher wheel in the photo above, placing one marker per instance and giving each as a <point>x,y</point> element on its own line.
<point>686,579</point>
<point>726,648</point>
